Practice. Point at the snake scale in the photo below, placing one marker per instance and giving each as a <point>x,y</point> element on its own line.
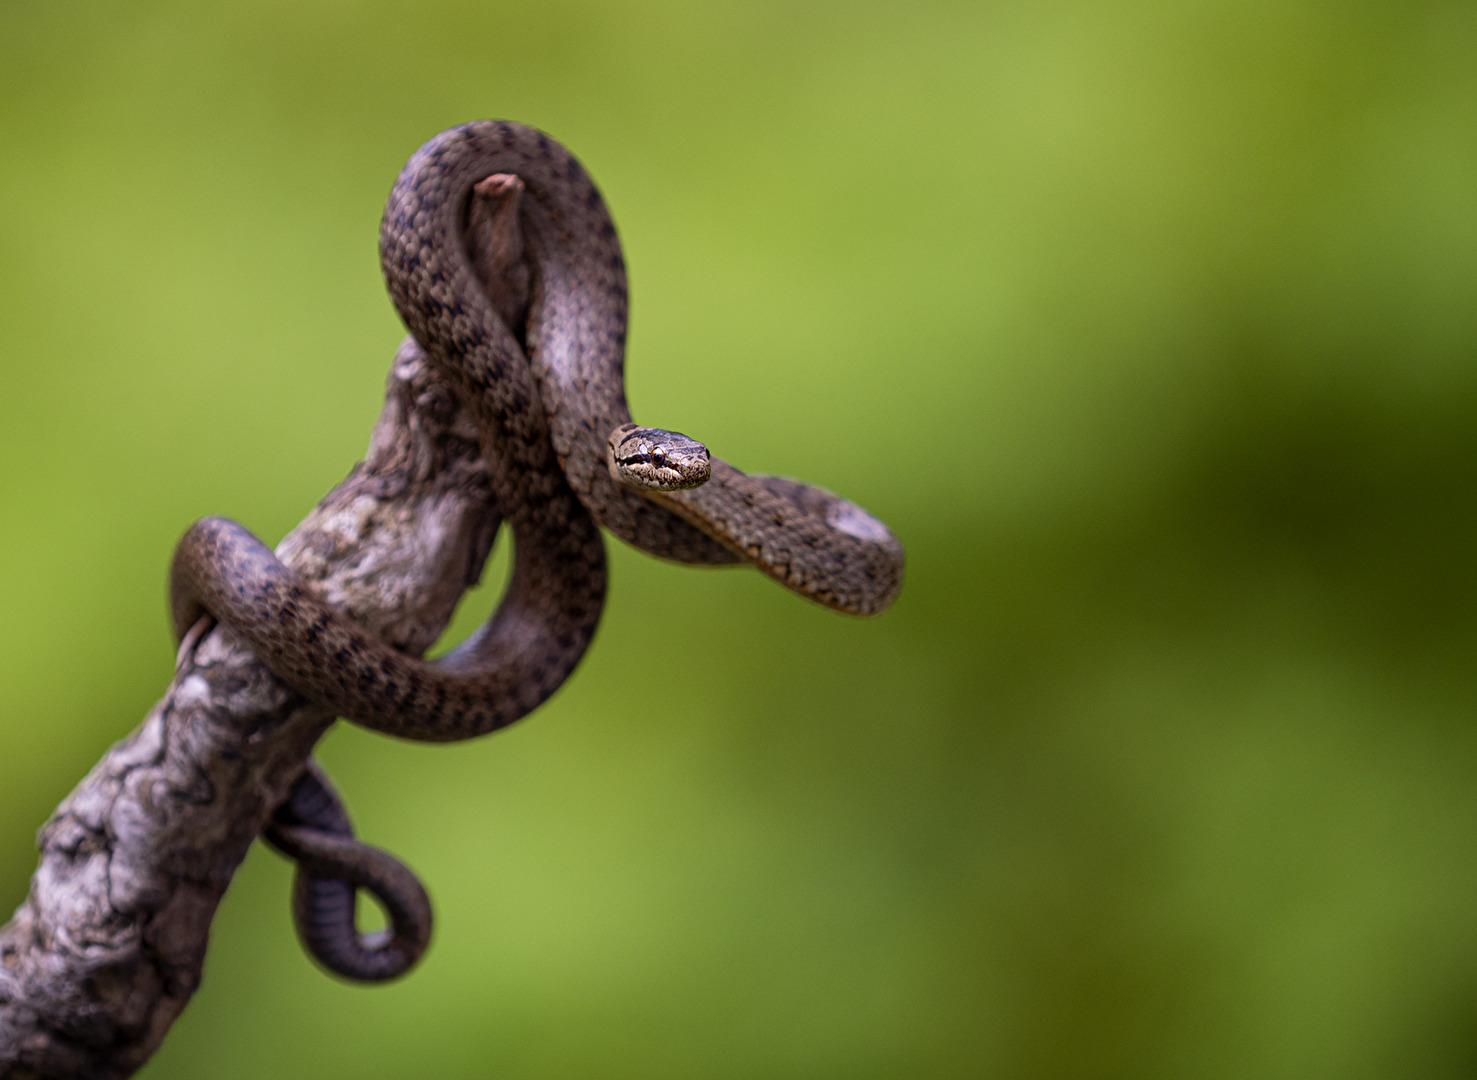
<point>504,265</point>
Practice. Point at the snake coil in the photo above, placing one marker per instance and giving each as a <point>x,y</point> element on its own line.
<point>503,262</point>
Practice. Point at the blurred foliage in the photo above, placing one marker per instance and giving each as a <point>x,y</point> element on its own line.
<point>1149,327</point>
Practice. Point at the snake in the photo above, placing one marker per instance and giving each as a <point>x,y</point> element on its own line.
<point>312,827</point>
<point>503,262</point>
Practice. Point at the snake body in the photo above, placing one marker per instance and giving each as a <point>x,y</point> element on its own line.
<point>555,432</point>
<point>822,547</point>
<point>553,601</point>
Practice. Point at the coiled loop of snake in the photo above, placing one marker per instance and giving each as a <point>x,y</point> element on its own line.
<point>566,396</point>
<point>813,542</point>
<point>313,829</point>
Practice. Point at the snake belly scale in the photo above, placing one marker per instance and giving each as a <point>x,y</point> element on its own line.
<point>550,419</point>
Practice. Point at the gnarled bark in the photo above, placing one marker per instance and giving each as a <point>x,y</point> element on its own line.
<point>108,946</point>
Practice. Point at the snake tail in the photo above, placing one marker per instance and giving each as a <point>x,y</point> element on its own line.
<point>313,828</point>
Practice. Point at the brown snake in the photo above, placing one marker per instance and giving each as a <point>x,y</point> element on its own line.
<point>493,225</point>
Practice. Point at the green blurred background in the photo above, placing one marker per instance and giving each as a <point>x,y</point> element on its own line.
<point>1149,327</point>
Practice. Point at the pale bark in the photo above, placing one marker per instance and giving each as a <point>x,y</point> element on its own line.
<point>108,946</point>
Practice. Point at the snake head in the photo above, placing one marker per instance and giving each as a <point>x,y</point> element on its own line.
<point>656,459</point>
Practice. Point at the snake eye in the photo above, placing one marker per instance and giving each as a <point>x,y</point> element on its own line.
<point>659,457</point>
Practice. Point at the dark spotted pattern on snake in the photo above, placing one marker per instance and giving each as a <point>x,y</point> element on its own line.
<point>813,542</point>
<point>547,419</point>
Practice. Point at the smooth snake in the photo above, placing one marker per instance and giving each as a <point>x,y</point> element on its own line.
<point>503,262</point>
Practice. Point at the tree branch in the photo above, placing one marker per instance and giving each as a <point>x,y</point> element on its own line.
<point>108,946</point>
